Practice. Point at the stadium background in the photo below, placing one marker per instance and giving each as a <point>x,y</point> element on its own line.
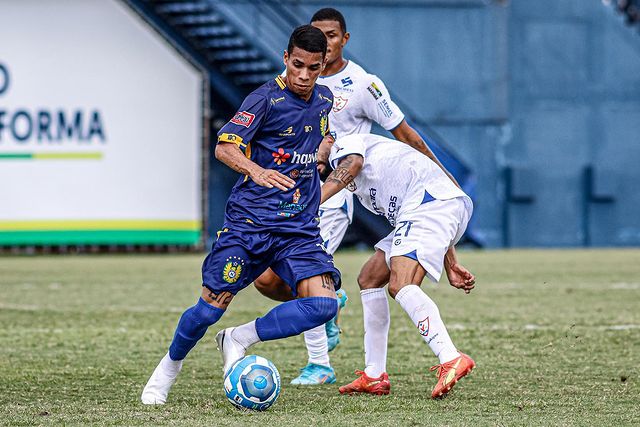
<point>107,112</point>
<point>535,107</point>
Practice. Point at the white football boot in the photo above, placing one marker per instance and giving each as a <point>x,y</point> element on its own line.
<point>160,382</point>
<point>230,349</point>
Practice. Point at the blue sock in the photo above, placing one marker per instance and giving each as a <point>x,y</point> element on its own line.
<point>192,326</point>
<point>294,317</point>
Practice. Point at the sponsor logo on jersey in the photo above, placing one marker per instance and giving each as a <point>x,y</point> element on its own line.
<point>243,118</point>
<point>232,269</point>
<point>346,82</point>
<point>374,204</point>
<point>393,210</point>
<point>302,173</point>
<point>423,327</point>
<point>274,101</point>
<point>385,108</point>
<point>374,90</point>
<point>288,132</point>
<point>289,210</point>
<point>280,156</point>
<point>339,103</point>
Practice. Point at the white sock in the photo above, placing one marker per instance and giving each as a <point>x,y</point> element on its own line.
<point>246,335</point>
<point>317,346</point>
<point>171,367</point>
<point>425,315</point>
<point>375,310</point>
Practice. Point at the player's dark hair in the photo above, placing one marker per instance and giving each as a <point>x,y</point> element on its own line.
<point>309,38</point>
<point>330,14</point>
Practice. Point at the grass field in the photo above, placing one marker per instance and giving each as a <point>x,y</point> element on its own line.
<point>555,334</point>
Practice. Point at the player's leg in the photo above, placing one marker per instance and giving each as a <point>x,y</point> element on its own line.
<point>272,286</point>
<point>324,338</point>
<point>420,244</point>
<point>374,275</point>
<point>308,270</point>
<point>226,270</point>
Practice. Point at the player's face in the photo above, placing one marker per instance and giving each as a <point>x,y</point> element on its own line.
<point>336,39</point>
<point>303,69</point>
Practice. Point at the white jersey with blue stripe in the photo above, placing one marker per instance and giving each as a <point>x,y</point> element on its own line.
<point>395,177</point>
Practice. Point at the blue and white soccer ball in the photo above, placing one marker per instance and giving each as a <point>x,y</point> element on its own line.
<point>252,382</point>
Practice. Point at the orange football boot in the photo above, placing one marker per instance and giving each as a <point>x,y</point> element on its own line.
<point>366,384</point>
<point>449,373</point>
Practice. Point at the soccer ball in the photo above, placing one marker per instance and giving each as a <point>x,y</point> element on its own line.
<point>252,382</point>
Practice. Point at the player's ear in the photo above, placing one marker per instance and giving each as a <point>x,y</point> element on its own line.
<point>285,57</point>
<point>345,38</point>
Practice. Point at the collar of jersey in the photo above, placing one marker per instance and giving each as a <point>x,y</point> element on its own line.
<point>298,98</point>
<point>337,72</point>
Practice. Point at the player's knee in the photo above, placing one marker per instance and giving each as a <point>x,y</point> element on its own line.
<point>319,310</point>
<point>262,286</point>
<point>371,280</point>
<point>205,314</point>
<point>394,287</point>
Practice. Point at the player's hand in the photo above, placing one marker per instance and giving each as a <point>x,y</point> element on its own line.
<point>461,278</point>
<point>272,178</point>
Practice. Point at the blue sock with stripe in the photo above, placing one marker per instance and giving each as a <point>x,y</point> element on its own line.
<point>294,317</point>
<point>192,326</point>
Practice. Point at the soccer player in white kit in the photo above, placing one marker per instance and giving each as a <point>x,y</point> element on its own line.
<point>429,215</point>
<point>360,99</point>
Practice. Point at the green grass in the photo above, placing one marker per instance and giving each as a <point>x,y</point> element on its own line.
<point>555,334</point>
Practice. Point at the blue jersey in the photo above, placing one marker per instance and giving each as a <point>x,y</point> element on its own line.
<point>277,129</point>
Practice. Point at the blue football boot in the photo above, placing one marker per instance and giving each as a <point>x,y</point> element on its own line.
<point>313,374</point>
<point>332,328</point>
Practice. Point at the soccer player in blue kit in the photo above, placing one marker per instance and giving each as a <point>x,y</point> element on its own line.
<point>271,218</point>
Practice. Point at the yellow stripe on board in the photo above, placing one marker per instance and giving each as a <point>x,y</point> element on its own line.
<point>67,156</point>
<point>105,224</point>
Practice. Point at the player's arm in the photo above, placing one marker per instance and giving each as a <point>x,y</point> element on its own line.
<point>342,177</point>
<point>405,133</point>
<point>231,155</point>
<point>459,277</point>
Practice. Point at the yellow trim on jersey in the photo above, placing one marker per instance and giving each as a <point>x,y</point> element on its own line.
<point>247,152</point>
<point>233,138</point>
<point>280,82</point>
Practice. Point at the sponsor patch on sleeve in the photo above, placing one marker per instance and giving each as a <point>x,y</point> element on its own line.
<point>243,118</point>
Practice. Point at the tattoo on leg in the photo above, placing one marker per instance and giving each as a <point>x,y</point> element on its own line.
<point>327,282</point>
<point>222,299</point>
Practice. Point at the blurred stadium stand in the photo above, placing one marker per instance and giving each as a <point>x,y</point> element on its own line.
<point>535,103</point>
<point>217,34</point>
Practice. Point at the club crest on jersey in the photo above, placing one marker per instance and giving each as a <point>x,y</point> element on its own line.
<point>339,103</point>
<point>232,269</point>
<point>324,123</point>
<point>243,118</point>
<point>423,327</point>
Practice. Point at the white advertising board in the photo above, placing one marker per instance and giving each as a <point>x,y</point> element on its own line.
<point>100,128</point>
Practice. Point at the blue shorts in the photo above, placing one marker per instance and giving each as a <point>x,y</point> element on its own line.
<point>239,257</point>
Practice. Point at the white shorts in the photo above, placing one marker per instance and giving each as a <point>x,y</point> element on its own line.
<point>426,233</point>
<point>333,226</point>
